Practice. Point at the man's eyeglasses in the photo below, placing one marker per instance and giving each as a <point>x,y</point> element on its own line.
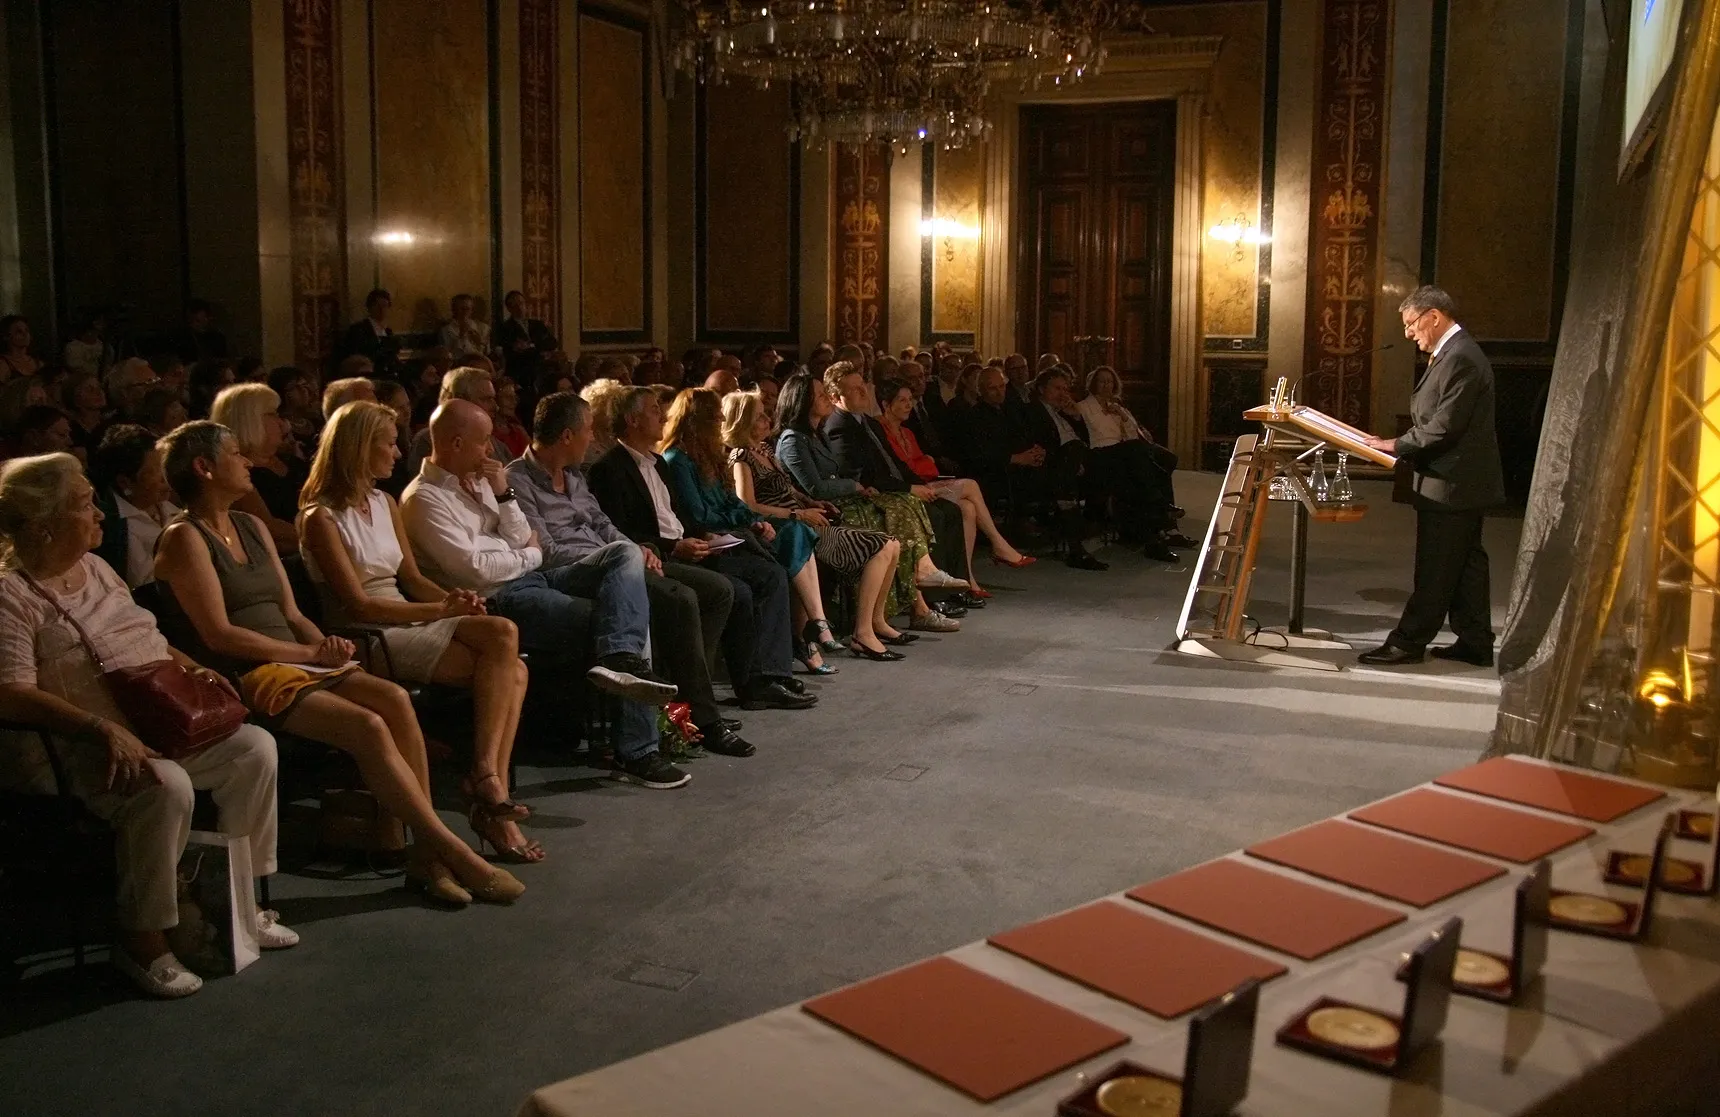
<point>1411,324</point>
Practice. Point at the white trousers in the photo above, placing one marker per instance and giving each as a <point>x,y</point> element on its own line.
<point>153,824</point>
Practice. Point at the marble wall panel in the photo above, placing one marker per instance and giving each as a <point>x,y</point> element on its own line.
<point>957,193</point>
<point>433,182</point>
<point>748,232</point>
<point>1499,164</point>
<point>613,180</point>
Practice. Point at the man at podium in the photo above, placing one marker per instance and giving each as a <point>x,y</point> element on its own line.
<point>1452,448</point>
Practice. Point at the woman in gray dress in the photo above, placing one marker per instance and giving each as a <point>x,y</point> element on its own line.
<point>355,550</point>
<point>223,577</point>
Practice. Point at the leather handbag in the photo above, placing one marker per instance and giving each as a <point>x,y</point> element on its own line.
<point>175,711</point>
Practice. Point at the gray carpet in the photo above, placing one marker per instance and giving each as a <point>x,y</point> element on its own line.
<point>1047,754</point>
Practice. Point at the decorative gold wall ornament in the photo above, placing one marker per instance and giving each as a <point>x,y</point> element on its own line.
<point>316,183</point>
<point>895,71</point>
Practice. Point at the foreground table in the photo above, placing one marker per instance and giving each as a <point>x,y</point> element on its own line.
<point>1611,1028</point>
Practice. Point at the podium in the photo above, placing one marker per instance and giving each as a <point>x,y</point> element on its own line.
<point>1214,613</point>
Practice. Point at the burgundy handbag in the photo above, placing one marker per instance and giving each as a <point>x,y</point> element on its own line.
<point>173,710</point>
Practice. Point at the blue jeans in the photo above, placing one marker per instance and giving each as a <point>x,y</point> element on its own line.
<point>613,578</point>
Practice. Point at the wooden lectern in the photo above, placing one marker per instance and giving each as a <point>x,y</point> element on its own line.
<point>1214,611</point>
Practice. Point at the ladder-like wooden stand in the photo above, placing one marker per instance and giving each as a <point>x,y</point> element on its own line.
<point>1214,620</point>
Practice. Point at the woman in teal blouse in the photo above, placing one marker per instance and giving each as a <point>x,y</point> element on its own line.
<point>692,447</point>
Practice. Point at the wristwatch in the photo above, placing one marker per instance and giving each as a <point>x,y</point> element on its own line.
<point>506,495</point>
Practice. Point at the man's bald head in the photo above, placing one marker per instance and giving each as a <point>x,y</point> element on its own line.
<point>459,436</point>
<point>992,386</point>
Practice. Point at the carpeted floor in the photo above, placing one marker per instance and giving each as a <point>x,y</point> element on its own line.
<point>1050,752</point>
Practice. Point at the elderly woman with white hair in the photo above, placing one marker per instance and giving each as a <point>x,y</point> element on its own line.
<point>65,618</point>
<point>128,381</point>
<point>253,413</point>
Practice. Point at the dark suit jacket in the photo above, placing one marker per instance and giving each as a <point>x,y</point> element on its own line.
<point>361,339</point>
<point>1040,429</point>
<point>990,435</point>
<point>622,495</point>
<point>1451,444</point>
<point>868,459</point>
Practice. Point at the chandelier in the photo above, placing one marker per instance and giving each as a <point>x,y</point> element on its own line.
<point>893,71</point>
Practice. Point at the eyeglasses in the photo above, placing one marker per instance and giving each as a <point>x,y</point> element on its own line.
<point>1411,324</point>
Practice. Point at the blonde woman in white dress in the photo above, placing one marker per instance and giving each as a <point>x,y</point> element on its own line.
<point>356,552</point>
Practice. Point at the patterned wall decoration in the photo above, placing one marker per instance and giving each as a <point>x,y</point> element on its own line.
<point>316,188</point>
<point>1348,168</point>
<point>861,244</point>
<point>540,160</point>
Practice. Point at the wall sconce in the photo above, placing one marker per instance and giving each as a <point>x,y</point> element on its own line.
<point>395,238</point>
<point>1239,231</point>
<point>951,231</point>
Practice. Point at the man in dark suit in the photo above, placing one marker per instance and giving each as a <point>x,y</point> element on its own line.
<point>862,450</point>
<point>527,344</point>
<point>371,336</point>
<point>633,489</point>
<point>1454,452</point>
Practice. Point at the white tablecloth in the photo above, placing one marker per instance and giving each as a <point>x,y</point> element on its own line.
<point>1614,1029</point>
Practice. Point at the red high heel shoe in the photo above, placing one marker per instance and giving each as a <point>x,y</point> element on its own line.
<point>983,595</point>
<point>1026,560</point>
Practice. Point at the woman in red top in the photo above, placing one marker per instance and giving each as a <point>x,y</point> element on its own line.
<point>509,429</point>
<point>896,401</point>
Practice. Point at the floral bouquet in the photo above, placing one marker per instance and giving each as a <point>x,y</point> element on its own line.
<point>678,736</point>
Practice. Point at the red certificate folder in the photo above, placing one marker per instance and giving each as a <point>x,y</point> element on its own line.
<point>1374,861</point>
<point>1478,827</point>
<point>980,1035</point>
<point>1135,957</point>
<point>1277,911</point>
<point>1551,788</point>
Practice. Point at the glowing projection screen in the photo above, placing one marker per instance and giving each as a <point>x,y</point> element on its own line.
<point>1653,41</point>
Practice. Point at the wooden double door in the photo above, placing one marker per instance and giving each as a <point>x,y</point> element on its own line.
<point>1098,189</point>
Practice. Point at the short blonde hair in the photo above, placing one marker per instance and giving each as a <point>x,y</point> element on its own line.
<point>240,408</point>
<point>33,493</point>
<point>605,397</point>
<point>341,392</point>
<point>459,383</point>
<point>740,412</point>
<point>340,472</point>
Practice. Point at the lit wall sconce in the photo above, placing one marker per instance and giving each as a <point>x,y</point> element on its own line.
<point>1239,231</point>
<point>944,227</point>
<point>395,238</point>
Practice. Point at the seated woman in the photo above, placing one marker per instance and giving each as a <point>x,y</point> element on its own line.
<point>298,398</point>
<point>864,558</point>
<point>509,430</point>
<point>131,490</point>
<point>355,550</point>
<point>896,398</point>
<point>51,585</point>
<point>1130,465</point>
<point>805,452</point>
<point>692,447</point>
<point>393,395</point>
<point>604,395</point>
<point>224,578</point>
<point>253,413</point>
<point>85,404</point>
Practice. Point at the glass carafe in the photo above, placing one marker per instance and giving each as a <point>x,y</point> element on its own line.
<point>1318,483</point>
<point>1341,491</point>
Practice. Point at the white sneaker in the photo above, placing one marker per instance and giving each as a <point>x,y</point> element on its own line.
<point>165,977</point>
<point>272,934</point>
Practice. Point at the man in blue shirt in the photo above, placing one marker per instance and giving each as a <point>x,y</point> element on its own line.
<point>570,525</point>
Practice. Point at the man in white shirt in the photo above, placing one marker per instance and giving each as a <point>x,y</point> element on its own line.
<point>467,531</point>
<point>464,335</point>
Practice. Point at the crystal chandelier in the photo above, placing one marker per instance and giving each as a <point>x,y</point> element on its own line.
<point>894,71</point>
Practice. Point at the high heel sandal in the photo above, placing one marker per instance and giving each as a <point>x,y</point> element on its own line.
<point>507,808</point>
<point>1025,560</point>
<point>826,643</point>
<point>861,651</point>
<point>804,653</point>
<point>486,822</point>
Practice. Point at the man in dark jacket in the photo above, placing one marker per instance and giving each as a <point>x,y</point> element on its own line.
<point>371,336</point>
<point>632,487</point>
<point>1454,452</point>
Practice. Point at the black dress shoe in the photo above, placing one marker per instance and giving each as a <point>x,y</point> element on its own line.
<point>1160,550</point>
<point>793,684</point>
<point>729,744</point>
<point>774,696</point>
<point>861,651</point>
<point>952,609</point>
<point>1176,512</point>
<point>968,601</point>
<point>1464,653</point>
<point>733,725</point>
<point>1082,560</point>
<point>1389,655</point>
<point>1178,539</point>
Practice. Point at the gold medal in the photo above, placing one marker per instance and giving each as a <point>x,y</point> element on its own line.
<point>1635,869</point>
<point>1475,968</point>
<point>1353,1027</point>
<point>1136,1095</point>
<point>1587,909</point>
